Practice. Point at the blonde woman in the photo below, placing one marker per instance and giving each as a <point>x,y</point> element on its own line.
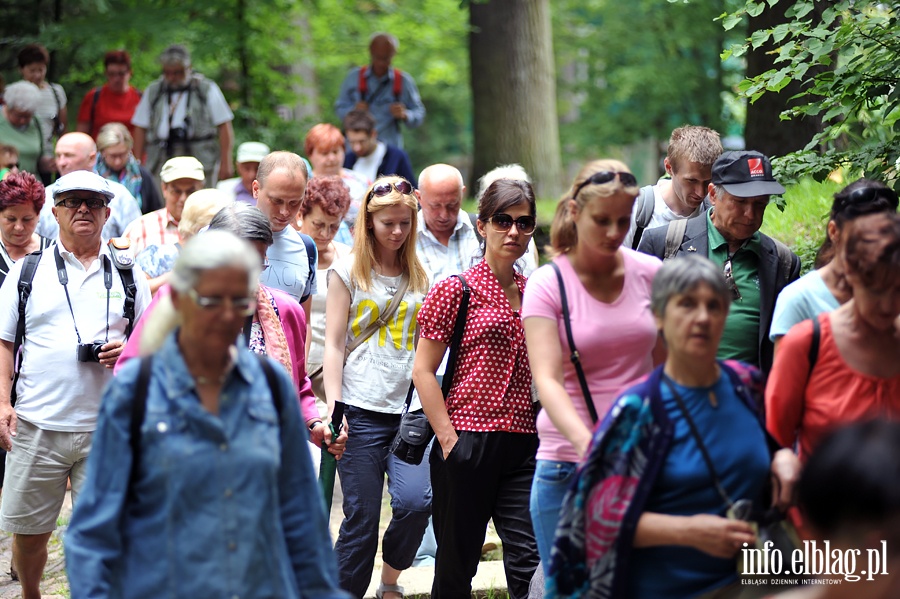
<point>373,384</point>
<point>117,163</point>
<point>607,288</point>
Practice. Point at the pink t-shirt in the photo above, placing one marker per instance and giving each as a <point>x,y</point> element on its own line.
<point>614,341</point>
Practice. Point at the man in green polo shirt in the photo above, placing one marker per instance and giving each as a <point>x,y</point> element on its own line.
<point>756,267</point>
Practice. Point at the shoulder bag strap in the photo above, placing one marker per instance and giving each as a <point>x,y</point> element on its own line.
<point>459,328</point>
<point>574,357</point>
<point>674,237</point>
<point>813,354</point>
<point>700,445</point>
<point>272,381</point>
<point>138,411</point>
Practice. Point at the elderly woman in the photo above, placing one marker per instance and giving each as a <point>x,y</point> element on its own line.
<point>648,514</point>
<point>115,101</point>
<point>117,163</point>
<point>20,128</point>
<point>852,371</point>
<point>21,199</point>
<point>199,481</point>
<point>324,207</point>
<point>324,146</point>
<point>826,288</point>
<point>483,462</point>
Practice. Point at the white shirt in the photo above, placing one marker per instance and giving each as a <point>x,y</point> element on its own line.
<point>219,111</point>
<point>289,265</point>
<point>55,391</point>
<point>367,166</point>
<point>123,209</point>
<point>662,215</point>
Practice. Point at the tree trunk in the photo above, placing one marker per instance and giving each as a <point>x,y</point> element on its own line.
<point>765,131</point>
<point>514,90</point>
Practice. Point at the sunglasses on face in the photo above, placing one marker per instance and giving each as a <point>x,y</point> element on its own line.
<point>729,280</point>
<point>382,189</point>
<point>242,305</point>
<point>504,222</point>
<point>627,179</point>
<point>92,203</point>
<point>868,195</point>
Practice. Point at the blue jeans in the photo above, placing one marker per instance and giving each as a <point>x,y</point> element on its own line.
<point>551,481</point>
<point>362,469</point>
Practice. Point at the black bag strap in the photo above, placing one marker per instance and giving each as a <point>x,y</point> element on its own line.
<point>813,355</point>
<point>574,357</point>
<point>700,445</point>
<point>26,276</point>
<point>94,102</point>
<point>459,328</point>
<point>127,276</point>
<point>311,254</point>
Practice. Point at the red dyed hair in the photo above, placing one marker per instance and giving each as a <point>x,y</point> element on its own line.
<point>328,193</point>
<point>21,188</point>
<point>323,137</point>
<point>117,57</point>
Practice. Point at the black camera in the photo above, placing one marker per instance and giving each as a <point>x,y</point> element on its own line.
<point>89,352</point>
<point>178,135</point>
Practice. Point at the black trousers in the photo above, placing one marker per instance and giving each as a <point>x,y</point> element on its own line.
<point>487,475</point>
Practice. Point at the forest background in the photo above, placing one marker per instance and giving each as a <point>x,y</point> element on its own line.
<point>546,84</point>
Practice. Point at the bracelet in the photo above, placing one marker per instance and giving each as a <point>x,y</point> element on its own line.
<point>314,424</point>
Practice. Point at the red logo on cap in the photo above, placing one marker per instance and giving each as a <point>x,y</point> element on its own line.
<point>756,167</point>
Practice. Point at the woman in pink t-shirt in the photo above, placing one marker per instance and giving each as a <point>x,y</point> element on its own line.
<point>607,289</point>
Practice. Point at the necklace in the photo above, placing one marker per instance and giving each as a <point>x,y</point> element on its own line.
<point>219,379</point>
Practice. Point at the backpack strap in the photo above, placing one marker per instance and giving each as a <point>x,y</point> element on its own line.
<point>312,255</point>
<point>674,236</point>
<point>26,276</point>
<point>398,84</point>
<point>94,102</point>
<point>813,354</point>
<point>138,411</point>
<point>646,201</point>
<point>57,122</point>
<point>363,86</point>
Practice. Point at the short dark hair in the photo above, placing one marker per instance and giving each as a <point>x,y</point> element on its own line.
<point>117,57</point>
<point>359,120</point>
<point>33,53</point>
<point>503,193</point>
<point>872,252</point>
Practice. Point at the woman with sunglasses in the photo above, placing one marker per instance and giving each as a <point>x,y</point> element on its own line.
<point>855,373</point>
<point>826,288</point>
<point>607,291</point>
<point>483,462</point>
<point>372,381</point>
<point>213,494</point>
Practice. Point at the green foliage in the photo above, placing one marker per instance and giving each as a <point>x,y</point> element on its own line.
<point>844,53</point>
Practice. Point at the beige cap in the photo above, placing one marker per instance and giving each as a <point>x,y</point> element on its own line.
<point>252,151</point>
<point>182,167</point>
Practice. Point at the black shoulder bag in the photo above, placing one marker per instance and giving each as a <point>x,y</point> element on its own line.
<point>415,433</point>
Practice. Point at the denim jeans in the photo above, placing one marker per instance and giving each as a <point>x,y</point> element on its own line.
<point>551,481</point>
<point>362,469</point>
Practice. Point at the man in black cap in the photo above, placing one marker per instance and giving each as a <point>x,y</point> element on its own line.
<point>756,267</point>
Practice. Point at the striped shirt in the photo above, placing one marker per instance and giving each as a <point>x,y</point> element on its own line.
<point>156,228</point>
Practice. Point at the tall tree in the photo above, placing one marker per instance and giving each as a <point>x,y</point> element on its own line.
<point>514,90</point>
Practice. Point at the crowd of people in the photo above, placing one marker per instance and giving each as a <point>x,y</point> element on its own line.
<point>627,414</point>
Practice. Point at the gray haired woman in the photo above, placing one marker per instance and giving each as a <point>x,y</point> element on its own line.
<point>214,495</point>
<point>19,127</point>
<point>655,511</point>
<point>116,162</point>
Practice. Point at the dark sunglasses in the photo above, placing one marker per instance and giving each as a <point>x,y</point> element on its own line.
<point>92,203</point>
<point>627,179</point>
<point>10,166</point>
<point>383,189</point>
<point>729,280</point>
<point>868,195</point>
<point>504,222</point>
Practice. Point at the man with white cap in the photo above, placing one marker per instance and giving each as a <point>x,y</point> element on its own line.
<point>181,176</point>
<point>80,309</point>
<point>78,152</point>
<point>249,155</point>
<point>756,267</point>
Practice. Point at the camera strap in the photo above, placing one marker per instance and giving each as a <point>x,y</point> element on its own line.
<point>63,277</point>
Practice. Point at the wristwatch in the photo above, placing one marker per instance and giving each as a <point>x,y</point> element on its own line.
<point>314,424</point>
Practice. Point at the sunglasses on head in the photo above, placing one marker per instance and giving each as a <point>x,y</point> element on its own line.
<point>92,203</point>
<point>504,222</point>
<point>868,195</point>
<point>382,189</point>
<point>626,179</point>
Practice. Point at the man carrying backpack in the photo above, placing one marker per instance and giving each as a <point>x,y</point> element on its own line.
<point>389,94</point>
<point>689,159</point>
<point>64,316</point>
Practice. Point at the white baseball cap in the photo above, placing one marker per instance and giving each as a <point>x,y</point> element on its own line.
<point>182,167</point>
<point>252,151</point>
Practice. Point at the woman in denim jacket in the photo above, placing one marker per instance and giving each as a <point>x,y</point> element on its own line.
<point>218,497</point>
